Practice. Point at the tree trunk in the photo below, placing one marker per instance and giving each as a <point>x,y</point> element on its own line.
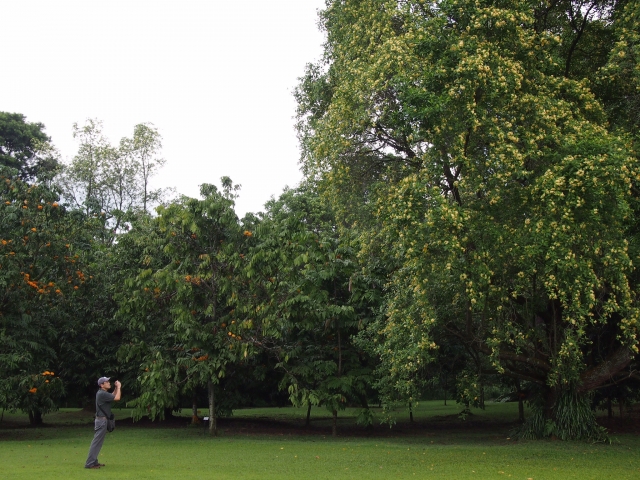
<point>365,406</point>
<point>445,390</point>
<point>567,415</point>
<point>620,407</point>
<point>213,421</point>
<point>605,371</point>
<point>307,423</point>
<point>194,412</point>
<point>410,412</point>
<point>520,402</point>
<point>213,424</point>
<point>339,354</point>
<point>334,425</point>
<point>35,418</point>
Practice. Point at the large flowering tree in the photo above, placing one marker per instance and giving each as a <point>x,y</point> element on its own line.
<point>40,279</point>
<point>462,140</point>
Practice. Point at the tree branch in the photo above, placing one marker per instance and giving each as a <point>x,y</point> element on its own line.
<point>605,371</point>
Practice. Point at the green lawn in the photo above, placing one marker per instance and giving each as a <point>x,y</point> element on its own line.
<point>58,451</point>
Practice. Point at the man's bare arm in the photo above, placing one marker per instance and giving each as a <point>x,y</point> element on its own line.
<point>116,393</point>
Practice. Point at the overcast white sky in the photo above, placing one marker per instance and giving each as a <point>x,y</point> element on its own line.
<point>214,76</point>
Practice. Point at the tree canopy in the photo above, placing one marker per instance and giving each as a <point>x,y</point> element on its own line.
<point>469,133</point>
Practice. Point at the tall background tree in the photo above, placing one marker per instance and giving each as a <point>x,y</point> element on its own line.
<point>142,150</point>
<point>113,182</point>
<point>25,147</point>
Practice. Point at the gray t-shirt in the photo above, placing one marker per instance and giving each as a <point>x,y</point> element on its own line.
<point>104,399</point>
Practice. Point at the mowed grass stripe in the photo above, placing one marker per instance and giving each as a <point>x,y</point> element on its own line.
<point>185,453</point>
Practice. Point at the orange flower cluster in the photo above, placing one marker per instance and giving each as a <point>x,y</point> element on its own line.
<point>193,280</point>
<point>156,291</point>
<point>41,288</point>
<point>247,233</point>
<point>33,390</point>
<point>202,358</point>
<point>47,373</point>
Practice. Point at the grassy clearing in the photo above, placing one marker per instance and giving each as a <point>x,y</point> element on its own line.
<point>59,451</point>
<point>429,411</point>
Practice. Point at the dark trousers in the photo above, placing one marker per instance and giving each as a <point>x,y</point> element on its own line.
<point>98,439</point>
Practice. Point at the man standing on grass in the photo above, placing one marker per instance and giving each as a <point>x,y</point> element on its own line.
<point>103,412</point>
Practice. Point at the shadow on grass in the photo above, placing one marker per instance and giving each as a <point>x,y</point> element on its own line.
<point>490,426</point>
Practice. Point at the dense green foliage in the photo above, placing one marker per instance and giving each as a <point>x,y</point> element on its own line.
<point>41,277</point>
<point>488,171</point>
<point>25,147</point>
<point>302,293</point>
<point>177,303</point>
